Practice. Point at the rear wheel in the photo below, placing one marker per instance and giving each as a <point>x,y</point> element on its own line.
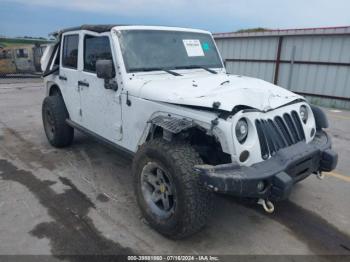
<point>54,115</point>
<point>168,191</point>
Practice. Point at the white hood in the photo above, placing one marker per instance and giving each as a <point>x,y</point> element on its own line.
<point>230,90</point>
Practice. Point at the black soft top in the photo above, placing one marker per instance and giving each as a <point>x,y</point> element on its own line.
<point>93,28</point>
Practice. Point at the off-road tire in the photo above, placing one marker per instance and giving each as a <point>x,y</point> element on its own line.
<point>63,134</point>
<point>194,202</point>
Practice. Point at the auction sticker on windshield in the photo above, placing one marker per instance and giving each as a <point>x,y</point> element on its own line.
<point>193,47</point>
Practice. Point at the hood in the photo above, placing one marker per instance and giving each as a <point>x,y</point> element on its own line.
<point>229,90</point>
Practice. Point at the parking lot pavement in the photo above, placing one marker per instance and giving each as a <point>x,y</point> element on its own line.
<point>80,200</point>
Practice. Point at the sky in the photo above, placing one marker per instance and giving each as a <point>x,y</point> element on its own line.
<point>38,18</point>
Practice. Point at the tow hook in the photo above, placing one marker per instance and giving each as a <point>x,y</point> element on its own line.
<point>320,175</point>
<point>267,205</point>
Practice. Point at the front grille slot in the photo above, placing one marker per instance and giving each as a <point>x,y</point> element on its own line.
<point>298,125</point>
<point>262,138</point>
<point>278,133</point>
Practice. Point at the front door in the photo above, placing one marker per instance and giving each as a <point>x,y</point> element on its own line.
<point>101,107</point>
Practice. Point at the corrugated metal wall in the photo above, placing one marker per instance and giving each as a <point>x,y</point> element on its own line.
<point>314,65</point>
<point>249,49</point>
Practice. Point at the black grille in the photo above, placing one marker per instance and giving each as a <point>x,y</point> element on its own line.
<point>280,132</point>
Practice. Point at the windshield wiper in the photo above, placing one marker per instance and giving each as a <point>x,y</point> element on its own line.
<point>197,66</point>
<point>171,72</point>
<point>145,69</point>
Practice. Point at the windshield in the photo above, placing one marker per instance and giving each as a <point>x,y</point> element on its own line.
<point>147,50</point>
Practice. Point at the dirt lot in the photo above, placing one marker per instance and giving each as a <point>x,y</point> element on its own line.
<point>80,200</point>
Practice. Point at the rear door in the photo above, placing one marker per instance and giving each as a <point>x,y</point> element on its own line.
<point>101,107</point>
<point>69,74</point>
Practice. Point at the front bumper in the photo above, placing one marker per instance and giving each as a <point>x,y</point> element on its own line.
<point>274,178</point>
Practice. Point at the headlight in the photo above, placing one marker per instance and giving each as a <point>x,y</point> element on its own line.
<point>241,130</point>
<point>304,113</point>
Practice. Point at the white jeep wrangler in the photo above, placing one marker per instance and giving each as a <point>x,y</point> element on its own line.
<point>162,94</point>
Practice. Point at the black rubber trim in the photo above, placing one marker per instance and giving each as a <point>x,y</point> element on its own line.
<point>100,138</point>
<point>320,117</point>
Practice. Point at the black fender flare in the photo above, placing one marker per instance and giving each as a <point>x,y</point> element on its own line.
<point>54,89</point>
<point>320,117</point>
<point>172,124</point>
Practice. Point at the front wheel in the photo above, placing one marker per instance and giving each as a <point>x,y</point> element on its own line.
<point>54,114</point>
<point>168,191</point>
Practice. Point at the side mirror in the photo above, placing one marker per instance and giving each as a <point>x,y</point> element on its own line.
<point>104,69</point>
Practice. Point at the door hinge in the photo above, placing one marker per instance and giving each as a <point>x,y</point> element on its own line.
<point>128,101</point>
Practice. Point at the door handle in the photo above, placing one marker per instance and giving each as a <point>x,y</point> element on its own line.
<point>62,78</point>
<point>83,83</point>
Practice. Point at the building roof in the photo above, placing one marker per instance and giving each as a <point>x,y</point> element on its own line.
<point>340,30</point>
